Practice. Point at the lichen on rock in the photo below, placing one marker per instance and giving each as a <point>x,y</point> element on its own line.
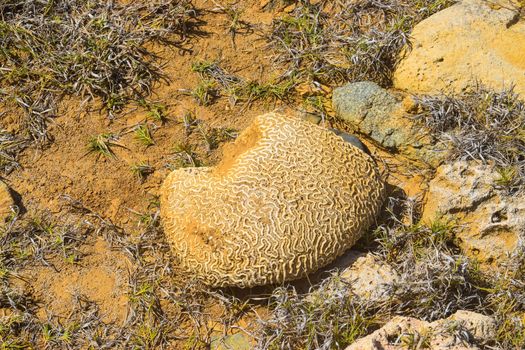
<point>370,278</point>
<point>287,198</point>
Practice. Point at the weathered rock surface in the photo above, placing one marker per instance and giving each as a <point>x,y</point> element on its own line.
<point>438,335</point>
<point>489,223</point>
<point>287,198</point>
<point>479,326</point>
<point>6,201</point>
<point>385,118</point>
<point>471,41</point>
<point>370,107</point>
<point>369,278</point>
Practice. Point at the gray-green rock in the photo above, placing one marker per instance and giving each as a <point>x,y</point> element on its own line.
<point>368,107</point>
<point>377,113</point>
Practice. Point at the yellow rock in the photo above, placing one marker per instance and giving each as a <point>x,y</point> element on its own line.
<point>467,43</point>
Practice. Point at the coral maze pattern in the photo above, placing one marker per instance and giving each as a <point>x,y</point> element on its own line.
<point>287,198</point>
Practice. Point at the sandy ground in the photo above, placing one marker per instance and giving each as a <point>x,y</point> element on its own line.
<point>108,186</point>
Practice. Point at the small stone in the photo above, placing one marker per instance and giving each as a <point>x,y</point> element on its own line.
<point>237,341</point>
<point>370,278</point>
<point>380,339</point>
<point>438,335</point>
<point>410,105</point>
<point>351,139</point>
<point>312,118</point>
<point>289,8</point>
<point>480,326</point>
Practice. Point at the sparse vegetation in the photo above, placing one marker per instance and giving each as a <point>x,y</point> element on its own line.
<point>185,155</point>
<point>235,25</point>
<point>273,90</point>
<point>334,42</point>
<point>507,177</point>
<point>238,89</point>
<point>205,92</point>
<point>325,43</point>
<point>327,317</point>
<point>162,314</point>
<point>483,125</point>
<point>37,241</point>
<point>10,146</point>
<point>102,144</point>
<point>84,48</point>
<point>110,53</point>
<point>142,170</point>
<point>318,102</point>
<point>143,135</point>
<point>435,281</point>
<point>213,137</point>
<point>189,122</point>
<point>157,112</point>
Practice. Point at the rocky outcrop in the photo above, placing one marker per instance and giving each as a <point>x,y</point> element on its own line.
<point>488,222</point>
<point>385,118</point>
<point>473,41</point>
<point>460,331</point>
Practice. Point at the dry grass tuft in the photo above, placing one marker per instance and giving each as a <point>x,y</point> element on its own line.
<point>337,41</point>
<point>84,48</point>
<point>328,317</point>
<point>216,81</point>
<point>10,146</point>
<point>483,125</point>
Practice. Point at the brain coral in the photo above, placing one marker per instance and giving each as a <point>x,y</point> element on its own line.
<point>287,198</point>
